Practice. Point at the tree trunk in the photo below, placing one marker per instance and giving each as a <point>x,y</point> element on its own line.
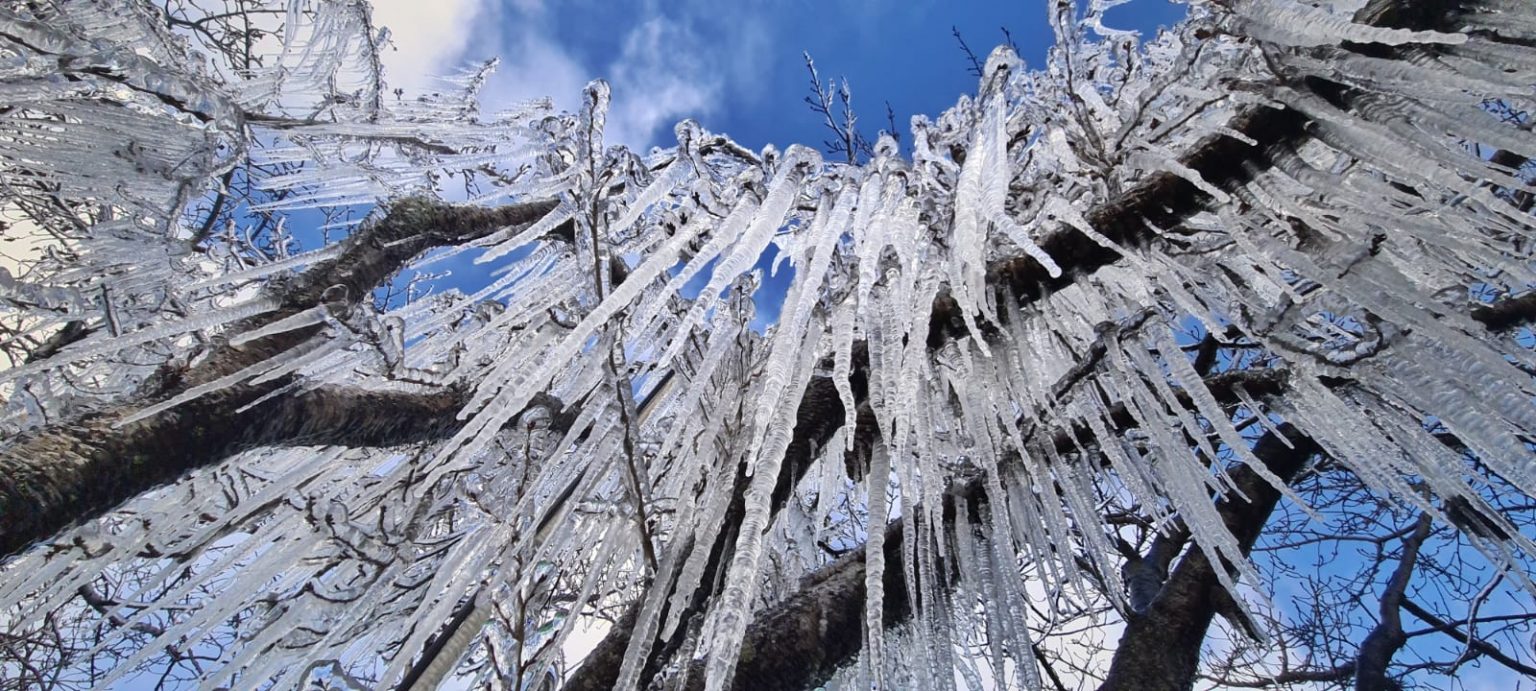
<point>1160,648</point>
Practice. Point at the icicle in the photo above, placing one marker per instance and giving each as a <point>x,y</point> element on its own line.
<point>874,563</point>
<point>504,241</point>
<point>707,530</point>
<point>830,475</point>
<point>742,576</point>
<point>1292,23</point>
<point>663,184</point>
<point>1133,359</point>
<point>788,339</point>
<point>1258,413</point>
<point>310,317</point>
<point>977,175</point>
<point>980,572</point>
<point>326,253</point>
<point>842,357</point>
<point>44,296</point>
<point>1184,481</point>
<point>782,193</point>
<point>936,612</point>
<point>1184,373</point>
<point>101,346</point>
<point>723,234</point>
<point>1156,159</point>
<point>643,633</point>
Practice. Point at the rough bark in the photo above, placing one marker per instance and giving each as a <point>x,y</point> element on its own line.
<point>61,474</point>
<point>1160,648</point>
<point>1388,637</point>
<point>802,641</point>
<point>1508,313</point>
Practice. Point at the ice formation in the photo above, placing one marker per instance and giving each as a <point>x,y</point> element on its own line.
<point>983,342</point>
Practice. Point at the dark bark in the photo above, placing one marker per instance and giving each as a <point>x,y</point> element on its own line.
<point>71,333</point>
<point>802,641</point>
<point>1387,637</point>
<point>1508,313</point>
<point>67,473</point>
<point>1160,648</point>
<point>58,475</point>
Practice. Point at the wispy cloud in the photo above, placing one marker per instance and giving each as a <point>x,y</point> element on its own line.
<point>428,38</point>
<point>690,61</point>
<point>684,60</point>
<point>533,67</point>
<point>660,76</point>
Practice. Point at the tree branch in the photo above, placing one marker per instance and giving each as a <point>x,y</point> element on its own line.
<point>1387,637</point>
<point>71,471</point>
<point>1477,644</point>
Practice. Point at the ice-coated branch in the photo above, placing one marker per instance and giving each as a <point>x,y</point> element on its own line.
<point>411,226</point>
<point>64,473</point>
<point>1164,200</point>
<point>71,472</point>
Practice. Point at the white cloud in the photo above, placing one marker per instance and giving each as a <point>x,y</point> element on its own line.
<point>428,38</point>
<point>533,67</point>
<point>660,77</point>
<point>680,61</point>
<point>689,61</point>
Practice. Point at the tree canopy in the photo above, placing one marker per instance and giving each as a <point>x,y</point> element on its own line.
<point>1143,337</point>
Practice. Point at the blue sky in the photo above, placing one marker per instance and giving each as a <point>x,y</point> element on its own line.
<point>734,67</point>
